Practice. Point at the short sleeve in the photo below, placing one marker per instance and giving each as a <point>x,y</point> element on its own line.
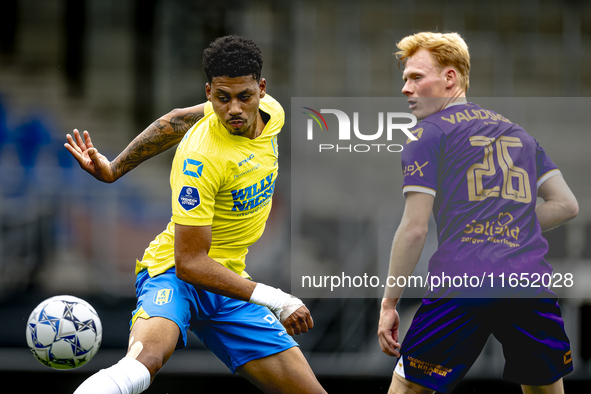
<point>420,160</point>
<point>194,187</point>
<point>545,167</point>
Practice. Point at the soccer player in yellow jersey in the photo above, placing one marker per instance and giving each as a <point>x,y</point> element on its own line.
<point>192,275</point>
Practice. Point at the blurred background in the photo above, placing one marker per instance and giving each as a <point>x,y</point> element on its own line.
<point>112,67</point>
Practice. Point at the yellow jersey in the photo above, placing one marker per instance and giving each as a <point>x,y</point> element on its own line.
<point>221,180</point>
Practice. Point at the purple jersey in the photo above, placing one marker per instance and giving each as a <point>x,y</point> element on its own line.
<point>484,172</point>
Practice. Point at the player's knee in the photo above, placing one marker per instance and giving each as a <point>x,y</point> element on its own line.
<point>151,361</point>
<point>152,342</point>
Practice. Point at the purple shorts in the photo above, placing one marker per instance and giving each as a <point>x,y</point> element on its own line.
<point>447,335</point>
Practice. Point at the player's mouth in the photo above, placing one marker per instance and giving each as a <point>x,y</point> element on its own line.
<point>236,123</point>
<point>412,105</point>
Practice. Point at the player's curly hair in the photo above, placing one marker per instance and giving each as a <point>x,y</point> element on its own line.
<point>232,56</point>
<point>449,49</point>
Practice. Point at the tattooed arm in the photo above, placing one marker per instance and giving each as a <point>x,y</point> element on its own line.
<point>161,135</point>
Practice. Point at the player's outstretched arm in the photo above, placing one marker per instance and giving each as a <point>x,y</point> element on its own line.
<point>194,266</point>
<point>161,135</point>
<point>407,247</point>
<point>559,206</point>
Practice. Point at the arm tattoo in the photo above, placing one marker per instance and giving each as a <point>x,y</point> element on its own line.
<point>182,124</point>
<point>157,138</point>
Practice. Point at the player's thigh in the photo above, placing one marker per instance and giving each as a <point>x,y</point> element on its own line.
<point>554,388</point>
<point>402,386</point>
<point>445,338</point>
<point>285,372</point>
<point>152,341</point>
<point>535,344</point>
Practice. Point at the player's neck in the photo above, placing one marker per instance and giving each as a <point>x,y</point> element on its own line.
<point>257,127</point>
<point>456,101</point>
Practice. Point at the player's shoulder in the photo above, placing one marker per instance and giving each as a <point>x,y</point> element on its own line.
<point>269,102</point>
<point>200,161</point>
<point>426,133</point>
<point>204,142</point>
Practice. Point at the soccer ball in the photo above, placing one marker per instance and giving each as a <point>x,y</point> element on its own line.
<point>64,332</point>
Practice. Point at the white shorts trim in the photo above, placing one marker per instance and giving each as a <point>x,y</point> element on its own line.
<point>400,367</point>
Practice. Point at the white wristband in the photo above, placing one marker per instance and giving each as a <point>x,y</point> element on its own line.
<point>268,296</point>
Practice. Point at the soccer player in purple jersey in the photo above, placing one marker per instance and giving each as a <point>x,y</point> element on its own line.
<point>479,174</point>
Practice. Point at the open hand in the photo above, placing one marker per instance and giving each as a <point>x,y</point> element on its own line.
<point>88,157</point>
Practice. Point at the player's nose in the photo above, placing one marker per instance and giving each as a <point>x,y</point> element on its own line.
<point>407,89</point>
<point>235,108</point>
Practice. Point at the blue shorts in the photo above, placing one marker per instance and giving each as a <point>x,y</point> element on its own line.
<point>235,331</point>
<point>447,335</point>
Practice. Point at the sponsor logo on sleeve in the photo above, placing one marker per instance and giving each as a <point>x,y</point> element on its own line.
<point>189,197</point>
<point>412,169</point>
<point>192,168</point>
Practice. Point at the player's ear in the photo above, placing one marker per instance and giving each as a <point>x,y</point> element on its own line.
<point>263,87</point>
<point>208,91</point>
<point>451,77</point>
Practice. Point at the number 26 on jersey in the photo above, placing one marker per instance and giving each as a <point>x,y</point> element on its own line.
<point>515,185</point>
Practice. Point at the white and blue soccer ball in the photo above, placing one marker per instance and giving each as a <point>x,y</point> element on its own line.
<point>64,332</point>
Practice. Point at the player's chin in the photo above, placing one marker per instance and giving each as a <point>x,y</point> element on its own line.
<point>241,130</point>
<point>420,113</point>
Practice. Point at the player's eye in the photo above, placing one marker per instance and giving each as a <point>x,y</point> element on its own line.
<point>223,98</point>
